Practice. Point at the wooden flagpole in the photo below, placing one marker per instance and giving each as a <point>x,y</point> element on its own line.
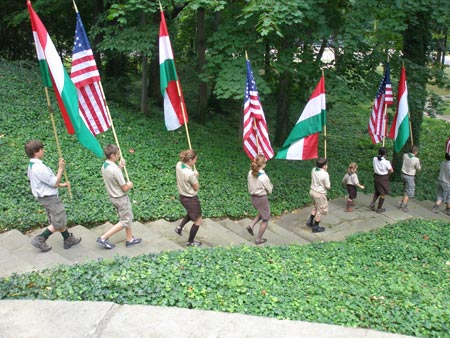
<point>109,115</point>
<point>50,110</point>
<point>325,126</point>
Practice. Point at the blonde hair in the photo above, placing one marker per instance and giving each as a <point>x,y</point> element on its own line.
<point>187,155</point>
<point>352,168</point>
<point>257,164</point>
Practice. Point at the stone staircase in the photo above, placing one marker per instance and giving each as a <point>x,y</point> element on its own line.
<point>17,255</point>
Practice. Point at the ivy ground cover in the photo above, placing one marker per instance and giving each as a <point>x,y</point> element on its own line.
<point>395,279</point>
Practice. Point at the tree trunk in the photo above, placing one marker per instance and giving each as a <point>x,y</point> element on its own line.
<point>144,88</point>
<point>415,48</point>
<point>201,51</point>
<point>144,76</point>
<point>281,132</point>
<point>98,9</point>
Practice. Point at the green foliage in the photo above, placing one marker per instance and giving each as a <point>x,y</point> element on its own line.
<point>151,153</point>
<point>395,279</point>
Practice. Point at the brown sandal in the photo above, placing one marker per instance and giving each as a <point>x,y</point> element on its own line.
<point>250,231</point>
<point>260,241</point>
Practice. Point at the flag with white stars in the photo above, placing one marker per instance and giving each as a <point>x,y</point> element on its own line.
<point>86,78</point>
<point>255,133</point>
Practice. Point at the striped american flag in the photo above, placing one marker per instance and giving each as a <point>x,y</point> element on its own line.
<point>85,76</point>
<point>384,97</point>
<point>255,134</point>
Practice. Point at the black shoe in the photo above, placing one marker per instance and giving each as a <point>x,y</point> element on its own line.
<point>179,231</point>
<point>318,229</point>
<point>193,243</point>
<point>309,224</point>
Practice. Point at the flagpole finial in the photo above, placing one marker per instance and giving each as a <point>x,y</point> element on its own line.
<point>160,6</point>
<point>75,6</point>
<point>246,56</point>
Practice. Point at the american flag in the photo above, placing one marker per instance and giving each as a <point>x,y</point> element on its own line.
<point>256,136</point>
<point>86,78</point>
<point>377,122</point>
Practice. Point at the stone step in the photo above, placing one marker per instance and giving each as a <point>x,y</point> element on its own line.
<point>83,252</point>
<point>166,230</point>
<point>12,263</point>
<point>214,234</point>
<point>152,242</point>
<point>17,255</point>
<point>275,234</point>
<point>19,246</point>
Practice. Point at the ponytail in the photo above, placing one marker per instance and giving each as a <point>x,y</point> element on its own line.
<point>257,164</point>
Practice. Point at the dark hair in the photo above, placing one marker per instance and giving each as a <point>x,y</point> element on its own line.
<point>257,164</point>
<point>110,149</point>
<point>187,155</point>
<point>447,156</point>
<point>414,149</point>
<point>381,152</point>
<point>32,147</point>
<point>321,162</point>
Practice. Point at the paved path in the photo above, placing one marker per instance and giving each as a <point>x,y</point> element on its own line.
<point>25,318</point>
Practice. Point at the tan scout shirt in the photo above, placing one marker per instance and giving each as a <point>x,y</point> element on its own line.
<point>185,180</point>
<point>259,186</point>
<point>410,165</point>
<point>320,180</point>
<point>350,179</point>
<point>113,178</point>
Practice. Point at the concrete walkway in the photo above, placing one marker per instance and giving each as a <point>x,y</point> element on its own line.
<point>26,318</point>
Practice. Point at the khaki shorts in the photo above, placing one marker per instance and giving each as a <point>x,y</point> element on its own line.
<point>123,207</point>
<point>409,186</point>
<point>320,203</point>
<point>56,213</point>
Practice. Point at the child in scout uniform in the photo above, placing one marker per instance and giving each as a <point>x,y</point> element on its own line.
<point>117,189</point>
<point>351,181</point>
<point>410,166</point>
<point>320,183</point>
<point>44,186</point>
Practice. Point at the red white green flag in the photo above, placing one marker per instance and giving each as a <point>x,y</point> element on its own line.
<point>65,91</point>
<point>302,142</point>
<point>175,114</point>
<point>400,126</point>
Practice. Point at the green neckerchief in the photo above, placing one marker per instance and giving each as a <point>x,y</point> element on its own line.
<point>185,166</point>
<point>411,155</point>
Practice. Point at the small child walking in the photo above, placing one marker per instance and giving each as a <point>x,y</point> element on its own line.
<point>117,189</point>
<point>351,181</point>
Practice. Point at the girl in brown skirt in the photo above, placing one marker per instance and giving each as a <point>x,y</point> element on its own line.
<point>187,183</point>
<point>382,168</point>
<point>259,186</point>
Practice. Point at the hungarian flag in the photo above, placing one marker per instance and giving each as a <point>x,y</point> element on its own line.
<point>65,91</point>
<point>86,78</point>
<point>400,126</point>
<point>174,105</point>
<point>255,133</point>
<point>302,142</point>
<point>384,97</point>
